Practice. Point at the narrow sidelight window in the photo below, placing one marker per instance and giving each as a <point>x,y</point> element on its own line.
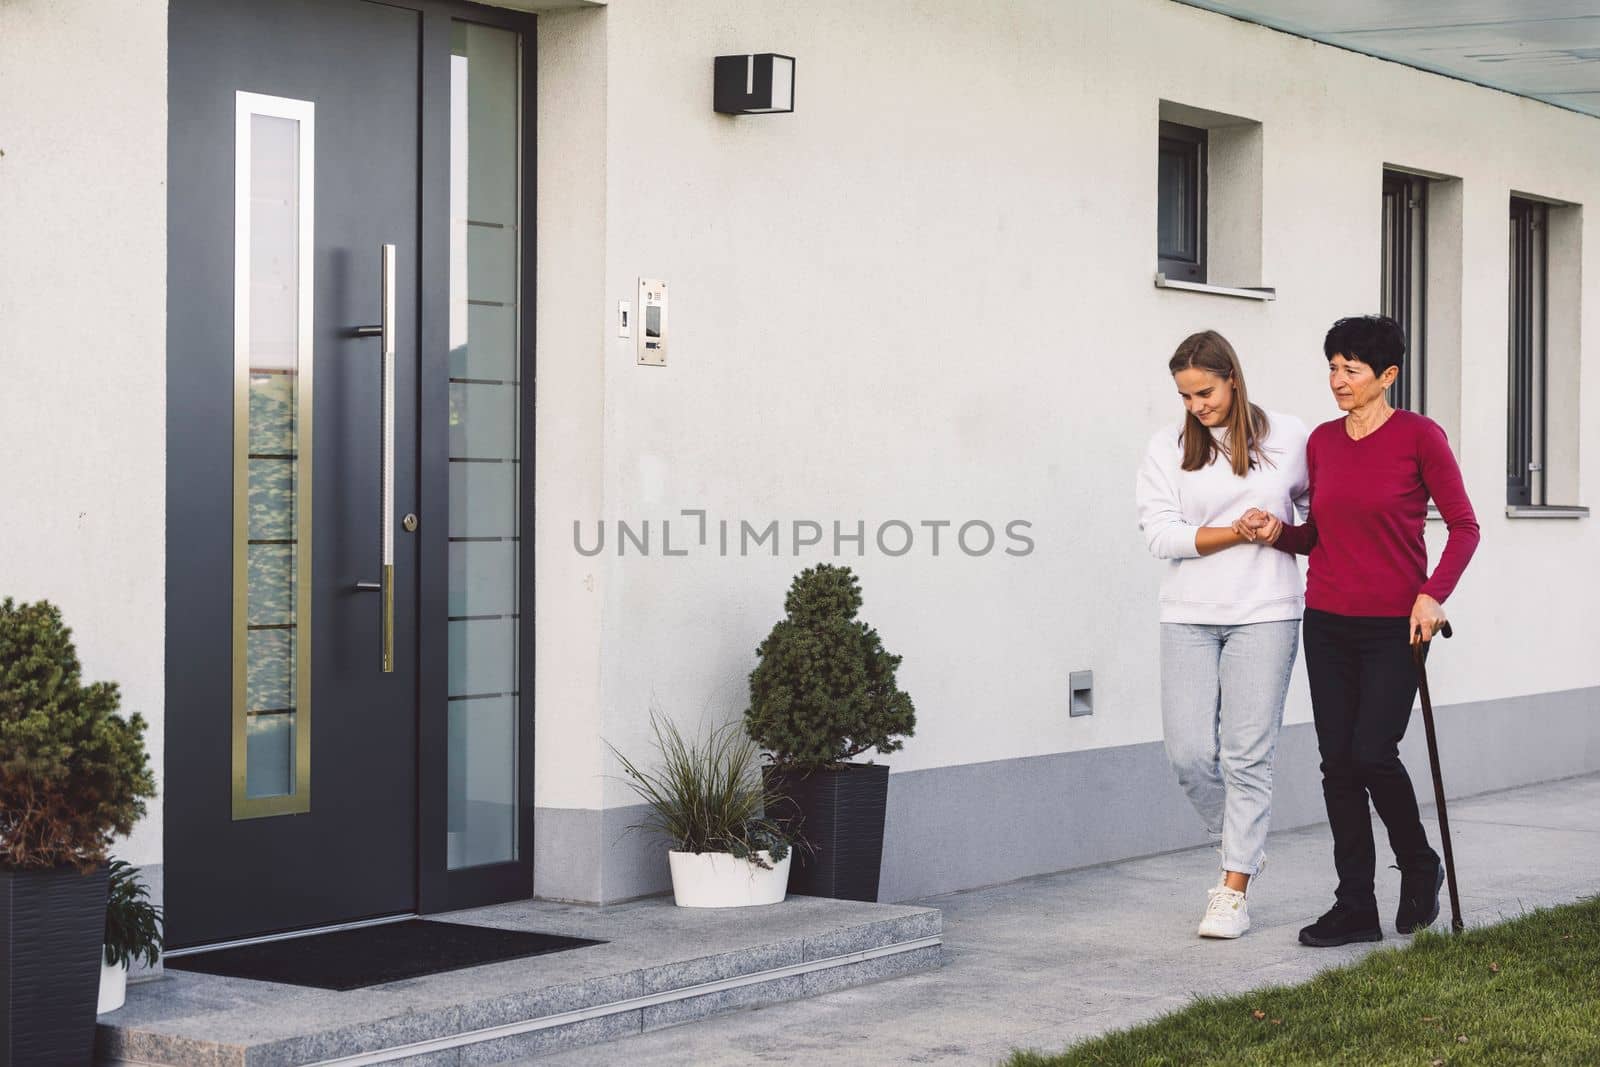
<point>1404,296</point>
<point>273,214</point>
<point>1526,353</point>
<point>1181,203</point>
<point>486,470</point>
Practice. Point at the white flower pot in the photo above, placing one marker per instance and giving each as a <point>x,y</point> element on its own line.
<point>113,986</point>
<point>718,880</point>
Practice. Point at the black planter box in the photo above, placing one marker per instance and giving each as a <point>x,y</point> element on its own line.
<point>840,813</point>
<point>52,929</point>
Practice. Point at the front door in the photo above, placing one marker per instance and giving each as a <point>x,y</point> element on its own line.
<point>291,743</point>
<point>346,737</point>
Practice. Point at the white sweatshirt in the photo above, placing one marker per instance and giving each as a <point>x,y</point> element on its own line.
<point>1244,584</point>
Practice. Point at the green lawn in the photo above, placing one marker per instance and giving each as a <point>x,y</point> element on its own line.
<point>1524,992</point>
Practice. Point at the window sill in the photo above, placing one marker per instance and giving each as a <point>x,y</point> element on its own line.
<point>1545,511</point>
<point>1247,292</point>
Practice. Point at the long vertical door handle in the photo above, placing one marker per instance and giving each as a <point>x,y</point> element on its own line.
<point>385,332</point>
<point>388,458</point>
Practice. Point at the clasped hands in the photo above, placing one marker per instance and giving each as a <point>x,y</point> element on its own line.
<point>1258,527</point>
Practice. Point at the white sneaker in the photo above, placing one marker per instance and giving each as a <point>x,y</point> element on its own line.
<point>1227,914</point>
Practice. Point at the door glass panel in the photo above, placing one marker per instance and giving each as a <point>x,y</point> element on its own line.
<point>272,455</point>
<point>485,435</point>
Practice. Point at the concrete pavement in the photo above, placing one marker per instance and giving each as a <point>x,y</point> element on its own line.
<point>1047,961</point>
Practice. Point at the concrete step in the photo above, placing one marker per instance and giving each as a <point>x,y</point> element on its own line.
<point>660,966</point>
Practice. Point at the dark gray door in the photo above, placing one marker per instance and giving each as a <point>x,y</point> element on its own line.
<point>291,744</point>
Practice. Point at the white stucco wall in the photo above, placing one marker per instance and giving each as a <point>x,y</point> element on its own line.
<point>569,399</point>
<point>927,295</point>
<point>83,129</point>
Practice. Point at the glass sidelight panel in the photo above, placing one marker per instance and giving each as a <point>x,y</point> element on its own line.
<point>273,214</point>
<point>485,452</point>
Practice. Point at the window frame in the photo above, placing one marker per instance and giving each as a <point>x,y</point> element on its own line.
<point>1527,352</point>
<point>1194,143</point>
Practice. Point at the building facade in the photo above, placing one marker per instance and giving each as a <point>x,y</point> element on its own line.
<point>333,430</point>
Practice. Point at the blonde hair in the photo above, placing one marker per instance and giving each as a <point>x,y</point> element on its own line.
<point>1247,424</point>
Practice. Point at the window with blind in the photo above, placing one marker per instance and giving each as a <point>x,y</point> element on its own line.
<point>1404,274</point>
<point>1527,353</point>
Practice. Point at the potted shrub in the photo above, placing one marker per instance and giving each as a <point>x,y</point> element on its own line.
<point>73,775</point>
<point>133,931</point>
<point>823,693</point>
<point>707,800</point>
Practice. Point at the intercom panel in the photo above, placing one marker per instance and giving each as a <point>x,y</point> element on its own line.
<point>652,322</point>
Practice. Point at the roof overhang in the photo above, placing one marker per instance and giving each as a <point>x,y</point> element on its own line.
<point>1546,50</point>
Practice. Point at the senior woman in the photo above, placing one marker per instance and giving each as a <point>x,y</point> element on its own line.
<point>1369,597</point>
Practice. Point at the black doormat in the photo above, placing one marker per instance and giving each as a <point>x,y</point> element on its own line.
<point>373,955</point>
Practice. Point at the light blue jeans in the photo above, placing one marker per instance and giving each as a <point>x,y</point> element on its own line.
<point>1222,693</point>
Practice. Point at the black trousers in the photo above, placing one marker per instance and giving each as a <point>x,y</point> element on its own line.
<point>1363,682</point>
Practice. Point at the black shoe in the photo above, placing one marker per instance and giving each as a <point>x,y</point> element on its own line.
<point>1419,896</point>
<point>1342,925</point>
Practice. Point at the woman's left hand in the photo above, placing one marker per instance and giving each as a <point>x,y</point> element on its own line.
<point>1427,616</point>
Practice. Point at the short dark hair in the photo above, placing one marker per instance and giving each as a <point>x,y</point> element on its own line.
<point>1376,340</point>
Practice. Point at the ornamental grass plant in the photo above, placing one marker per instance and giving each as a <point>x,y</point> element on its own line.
<point>74,774</point>
<point>707,794</point>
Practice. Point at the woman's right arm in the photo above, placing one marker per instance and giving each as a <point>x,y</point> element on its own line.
<point>1161,516</point>
<point>1296,540</point>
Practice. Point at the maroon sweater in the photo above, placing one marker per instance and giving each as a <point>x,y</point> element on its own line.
<point>1369,503</point>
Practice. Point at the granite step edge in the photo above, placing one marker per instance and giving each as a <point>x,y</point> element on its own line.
<point>583,1001</point>
<point>684,1011</point>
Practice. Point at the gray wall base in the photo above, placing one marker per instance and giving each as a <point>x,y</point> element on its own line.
<point>960,827</point>
<point>589,856</point>
<point>953,828</point>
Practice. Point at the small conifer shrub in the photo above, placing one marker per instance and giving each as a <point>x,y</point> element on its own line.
<point>824,691</point>
<point>73,773</point>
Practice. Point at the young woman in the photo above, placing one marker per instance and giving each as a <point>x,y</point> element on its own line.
<point>1230,606</point>
<point>1369,597</point>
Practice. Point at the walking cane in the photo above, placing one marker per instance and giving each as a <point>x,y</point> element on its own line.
<point>1456,925</point>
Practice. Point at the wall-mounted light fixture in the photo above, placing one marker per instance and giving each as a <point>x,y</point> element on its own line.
<point>762,84</point>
